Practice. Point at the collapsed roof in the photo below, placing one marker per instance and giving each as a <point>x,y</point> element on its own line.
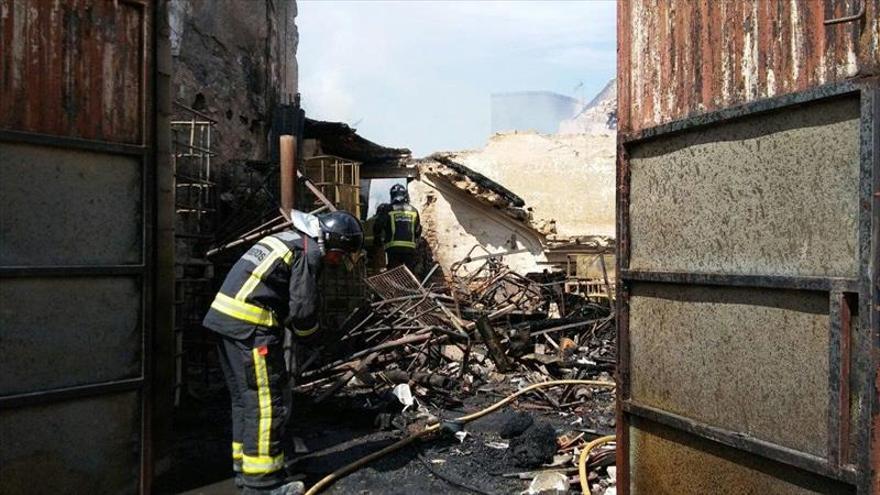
<point>339,139</point>
<point>481,180</point>
<point>478,186</point>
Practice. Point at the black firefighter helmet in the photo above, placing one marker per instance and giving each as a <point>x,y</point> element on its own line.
<point>341,231</point>
<point>399,194</point>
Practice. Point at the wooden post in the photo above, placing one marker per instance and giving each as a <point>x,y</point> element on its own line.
<point>288,173</point>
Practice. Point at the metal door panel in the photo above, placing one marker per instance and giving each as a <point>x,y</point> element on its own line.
<point>745,360</point>
<point>84,446</point>
<point>69,207</point>
<point>63,332</point>
<point>768,195</point>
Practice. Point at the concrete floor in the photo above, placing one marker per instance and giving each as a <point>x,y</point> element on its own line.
<point>226,487</point>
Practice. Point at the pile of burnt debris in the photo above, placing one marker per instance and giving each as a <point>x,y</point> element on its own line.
<point>441,344</point>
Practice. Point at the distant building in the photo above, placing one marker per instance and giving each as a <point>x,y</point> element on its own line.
<point>540,111</point>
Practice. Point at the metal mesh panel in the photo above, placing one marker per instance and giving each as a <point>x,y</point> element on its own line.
<point>399,283</point>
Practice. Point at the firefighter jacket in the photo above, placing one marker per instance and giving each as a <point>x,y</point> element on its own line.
<point>397,226</point>
<point>274,283</point>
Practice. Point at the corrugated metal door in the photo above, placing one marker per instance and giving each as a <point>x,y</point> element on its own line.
<point>77,202</point>
<point>748,264</point>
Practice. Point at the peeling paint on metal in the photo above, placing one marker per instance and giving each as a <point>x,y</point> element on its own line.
<point>678,58</point>
<point>73,68</point>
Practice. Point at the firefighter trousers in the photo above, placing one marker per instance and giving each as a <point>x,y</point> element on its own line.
<point>397,256</point>
<point>257,378</point>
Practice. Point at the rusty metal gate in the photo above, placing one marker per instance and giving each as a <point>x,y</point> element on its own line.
<point>78,203</point>
<point>748,266</point>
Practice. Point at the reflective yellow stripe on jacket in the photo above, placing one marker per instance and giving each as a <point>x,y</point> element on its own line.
<point>243,311</point>
<point>279,250</point>
<point>237,307</point>
<point>412,234</point>
<point>406,244</point>
<point>306,332</point>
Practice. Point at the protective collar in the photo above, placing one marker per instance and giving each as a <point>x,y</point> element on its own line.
<point>306,223</point>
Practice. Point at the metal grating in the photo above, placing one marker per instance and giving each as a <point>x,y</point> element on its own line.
<point>400,284</point>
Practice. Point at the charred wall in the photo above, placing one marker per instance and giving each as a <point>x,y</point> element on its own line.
<point>235,61</point>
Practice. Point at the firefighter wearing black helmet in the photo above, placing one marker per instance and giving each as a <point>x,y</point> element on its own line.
<point>274,285</point>
<point>398,229</point>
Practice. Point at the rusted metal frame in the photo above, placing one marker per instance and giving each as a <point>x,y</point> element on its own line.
<point>625,275</point>
<point>865,336</point>
<point>39,139</point>
<point>621,305</point>
<point>737,440</point>
<point>838,377</point>
<point>750,109</point>
<point>865,286</point>
<point>76,392</point>
<point>846,305</point>
<point>870,304</point>
<point>147,139</point>
<point>150,45</point>
<point>756,281</point>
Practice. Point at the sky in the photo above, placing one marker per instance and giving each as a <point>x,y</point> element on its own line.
<point>419,74</point>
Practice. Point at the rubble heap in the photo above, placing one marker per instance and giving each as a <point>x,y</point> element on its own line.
<point>483,332</point>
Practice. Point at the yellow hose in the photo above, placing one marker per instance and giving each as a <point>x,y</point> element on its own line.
<point>339,473</point>
<point>582,461</point>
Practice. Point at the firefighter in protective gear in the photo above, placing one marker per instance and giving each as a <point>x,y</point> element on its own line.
<point>398,229</point>
<point>274,285</point>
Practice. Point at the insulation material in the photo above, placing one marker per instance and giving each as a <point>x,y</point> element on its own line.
<point>770,195</point>
<point>732,357</point>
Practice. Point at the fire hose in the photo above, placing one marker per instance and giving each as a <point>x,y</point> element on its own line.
<point>354,466</point>
<point>582,461</point>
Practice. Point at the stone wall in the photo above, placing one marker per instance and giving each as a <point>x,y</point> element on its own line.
<point>234,61</point>
<point>566,179</point>
<point>455,220</point>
